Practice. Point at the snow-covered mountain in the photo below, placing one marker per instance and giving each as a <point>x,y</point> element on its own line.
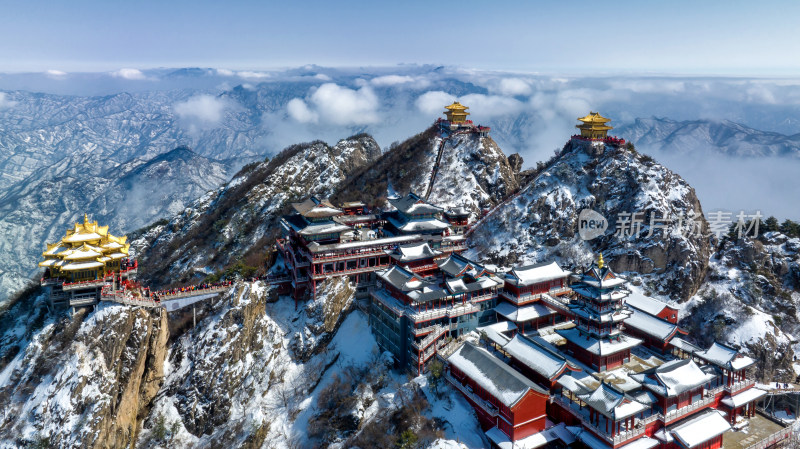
<point>725,137</point>
<point>239,221</point>
<point>541,223</point>
<point>126,196</point>
<point>257,371</point>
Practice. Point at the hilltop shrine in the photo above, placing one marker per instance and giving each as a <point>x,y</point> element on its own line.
<point>594,128</point>
<point>456,121</point>
<point>81,262</point>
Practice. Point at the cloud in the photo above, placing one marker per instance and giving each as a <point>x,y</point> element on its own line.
<point>202,112</point>
<point>55,74</point>
<point>129,74</point>
<point>391,80</point>
<point>5,103</point>
<point>337,105</point>
<point>249,74</point>
<point>298,110</point>
<point>514,86</point>
<point>433,102</point>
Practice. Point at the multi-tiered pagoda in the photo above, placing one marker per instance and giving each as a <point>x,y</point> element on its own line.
<point>82,262</point>
<point>599,310</point>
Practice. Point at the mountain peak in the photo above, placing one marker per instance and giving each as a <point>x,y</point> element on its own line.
<point>541,222</point>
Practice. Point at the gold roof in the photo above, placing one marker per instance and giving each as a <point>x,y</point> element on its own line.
<point>594,118</point>
<point>85,245</point>
<point>456,106</point>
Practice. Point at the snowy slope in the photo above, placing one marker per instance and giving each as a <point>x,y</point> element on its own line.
<point>474,172</point>
<point>242,217</point>
<point>540,224</point>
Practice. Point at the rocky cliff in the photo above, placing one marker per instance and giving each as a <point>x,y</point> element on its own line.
<point>80,382</point>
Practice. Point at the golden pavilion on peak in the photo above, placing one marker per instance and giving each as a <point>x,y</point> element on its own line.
<point>456,112</point>
<point>87,252</point>
<point>594,126</point>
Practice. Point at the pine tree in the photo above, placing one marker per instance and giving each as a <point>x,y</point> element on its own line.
<point>770,225</point>
<point>790,228</point>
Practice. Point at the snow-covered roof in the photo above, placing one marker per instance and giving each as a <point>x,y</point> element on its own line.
<point>412,204</point>
<point>315,247</point>
<point>456,286</point>
<point>725,357</point>
<point>608,316</point>
<point>536,357</point>
<point>683,345</point>
<point>647,304</point>
<point>117,255</point>
<point>673,378</point>
<point>458,211</point>
<point>324,228</point>
<point>421,224</point>
<point>315,208</point>
<point>593,442</point>
<point>524,313</point>
<point>599,346</point>
<point>82,237</point>
<point>612,403</point>
<point>701,429</point>
<point>601,277</point>
<point>574,384</point>
<point>588,292</point>
<point>81,266</point>
<point>456,265</point>
<point>745,397</point>
<point>651,325</point>
<point>83,253</point>
<point>492,374</point>
<point>47,262</point>
<point>538,439</point>
<point>495,332</point>
<point>534,274</point>
<point>55,250</point>
<point>414,251</point>
<point>401,278</point>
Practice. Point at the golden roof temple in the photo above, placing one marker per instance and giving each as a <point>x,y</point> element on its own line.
<point>456,112</point>
<point>86,252</point>
<point>594,126</point>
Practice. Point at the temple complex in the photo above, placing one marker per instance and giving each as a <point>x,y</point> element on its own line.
<point>82,262</point>
<point>321,241</point>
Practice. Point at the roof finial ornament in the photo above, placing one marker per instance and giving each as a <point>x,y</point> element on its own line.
<point>600,262</point>
<point>85,218</point>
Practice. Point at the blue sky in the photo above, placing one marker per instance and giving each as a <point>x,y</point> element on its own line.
<point>580,37</point>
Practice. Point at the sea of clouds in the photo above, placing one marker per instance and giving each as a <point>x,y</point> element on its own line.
<point>532,114</point>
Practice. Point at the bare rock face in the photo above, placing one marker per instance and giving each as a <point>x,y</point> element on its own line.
<point>85,381</point>
<point>515,161</point>
<point>541,223</point>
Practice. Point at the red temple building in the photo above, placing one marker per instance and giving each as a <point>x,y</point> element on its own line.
<point>322,240</point>
<point>502,397</point>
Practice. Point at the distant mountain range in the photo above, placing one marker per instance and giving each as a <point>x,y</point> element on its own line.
<point>62,155</point>
<point>733,139</point>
